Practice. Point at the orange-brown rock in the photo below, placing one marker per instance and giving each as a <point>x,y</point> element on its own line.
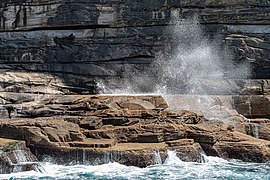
<point>249,151</point>
<point>264,131</point>
<point>41,131</point>
<point>131,130</point>
<point>253,106</point>
<point>95,105</point>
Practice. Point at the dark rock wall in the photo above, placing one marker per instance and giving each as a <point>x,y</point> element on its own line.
<point>79,41</point>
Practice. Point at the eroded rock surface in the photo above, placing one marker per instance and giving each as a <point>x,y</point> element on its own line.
<point>79,43</point>
<point>133,130</point>
<point>52,50</point>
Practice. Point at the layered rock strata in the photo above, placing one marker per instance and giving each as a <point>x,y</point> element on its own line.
<point>52,50</point>
<point>132,130</point>
<point>81,42</point>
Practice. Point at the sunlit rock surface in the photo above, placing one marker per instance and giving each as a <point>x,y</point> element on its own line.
<point>132,130</point>
<point>52,52</point>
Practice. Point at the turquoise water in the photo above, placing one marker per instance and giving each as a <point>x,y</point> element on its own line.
<point>172,168</point>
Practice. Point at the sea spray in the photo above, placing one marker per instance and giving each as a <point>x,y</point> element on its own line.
<point>20,155</point>
<point>84,157</point>
<point>18,159</point>
<point>197,64</point>
<point>172,158</point>
<point>108,157</point>
<point>191,59</point>
<point>212,159</point>
<point>192,63</point>
<point>173,168</point>
<point>157,157</point>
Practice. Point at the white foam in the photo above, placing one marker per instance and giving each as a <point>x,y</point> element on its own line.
<point>173,168</point>
<point>212,159</point>
<point>115,169</point>
<point>172,159</point>
<point>157,157</point>
<point>60,171</point>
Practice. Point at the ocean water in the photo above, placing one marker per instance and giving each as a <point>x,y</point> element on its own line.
<point>172,168</point>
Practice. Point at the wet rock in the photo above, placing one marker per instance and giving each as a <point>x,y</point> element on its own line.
<point>133,154</point>
<point>93,143</point>
<point>259,120</point>
<point>252,129</point>
<point>186,149</point>
<point>53,50</point>
<point>16,157</point>
<point>259,128</point>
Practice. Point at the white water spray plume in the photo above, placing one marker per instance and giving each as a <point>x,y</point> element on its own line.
<point>191,64</point>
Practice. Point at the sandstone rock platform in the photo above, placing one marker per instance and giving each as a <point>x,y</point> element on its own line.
<point>132,130</point>
<point>51,51</point>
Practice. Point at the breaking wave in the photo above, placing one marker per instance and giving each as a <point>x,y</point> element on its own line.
<point>172,168</point>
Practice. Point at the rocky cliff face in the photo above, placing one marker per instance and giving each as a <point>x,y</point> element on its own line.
<point>51,51</point>
<point>79,42</point>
